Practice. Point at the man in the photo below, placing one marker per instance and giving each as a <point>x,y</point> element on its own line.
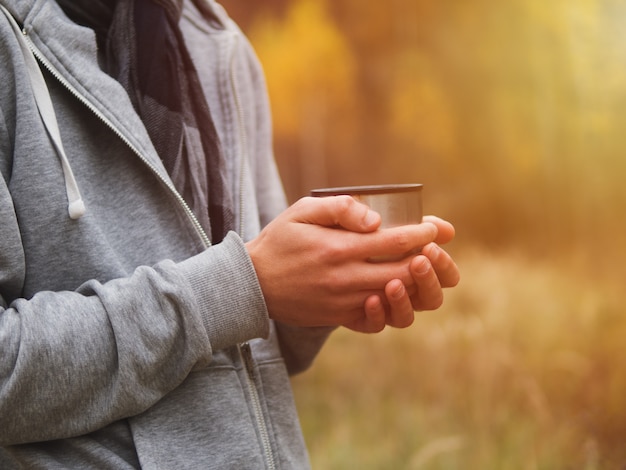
<point>155,291</point>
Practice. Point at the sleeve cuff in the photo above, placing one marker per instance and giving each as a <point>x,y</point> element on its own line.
<point>228,293</point>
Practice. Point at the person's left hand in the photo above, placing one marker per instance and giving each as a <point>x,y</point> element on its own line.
<point>432,271</point>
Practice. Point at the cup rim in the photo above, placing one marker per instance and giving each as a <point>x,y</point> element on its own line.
<point>367,189</point>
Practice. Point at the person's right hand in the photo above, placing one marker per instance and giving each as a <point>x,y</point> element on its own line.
<point>433,269</point>
<point>312,260</point>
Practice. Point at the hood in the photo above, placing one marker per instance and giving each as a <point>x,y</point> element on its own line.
<point>70,53</point>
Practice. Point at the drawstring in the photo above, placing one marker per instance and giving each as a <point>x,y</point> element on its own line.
<point>76,206</point>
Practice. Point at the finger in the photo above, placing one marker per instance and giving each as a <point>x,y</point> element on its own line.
<point>401,311</point>
<point>429,294</point>
<point>336,211</point>
<point>446,231</point>
<point>373,320</point>
<point>375,314</point>
<point>443,264</point>
<point>397,242</point>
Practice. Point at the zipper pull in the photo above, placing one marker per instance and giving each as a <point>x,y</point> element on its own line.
<point>246,353</point>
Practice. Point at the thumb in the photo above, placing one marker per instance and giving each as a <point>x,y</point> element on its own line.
<point>336,211</point>
<point>445,230</point>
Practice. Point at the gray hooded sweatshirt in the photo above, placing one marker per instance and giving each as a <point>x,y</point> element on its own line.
<point>126,339</point>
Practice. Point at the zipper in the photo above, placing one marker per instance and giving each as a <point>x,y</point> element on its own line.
<point>245,350</point>
<point>53,71</point>
<point>246,355</point>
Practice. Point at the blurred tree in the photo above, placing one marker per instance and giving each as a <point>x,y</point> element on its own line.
<point>311,79</point>
<point>510,112</point>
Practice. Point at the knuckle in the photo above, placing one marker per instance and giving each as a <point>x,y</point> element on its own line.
<point>402,241</point>
<point>344,205</point>
<point>304,201</point>
<point>331,251</point>
<point>302,205</point>
<point>335,283</point>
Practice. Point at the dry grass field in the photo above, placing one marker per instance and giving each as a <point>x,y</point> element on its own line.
<point>523,368</point>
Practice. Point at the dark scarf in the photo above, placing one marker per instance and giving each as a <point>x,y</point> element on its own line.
<point>141,46</point>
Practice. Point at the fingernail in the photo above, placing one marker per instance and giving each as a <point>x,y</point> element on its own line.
<point>399,292</point>
<point>423,266</point>
<point>371,218</point>
<point>433,252</point>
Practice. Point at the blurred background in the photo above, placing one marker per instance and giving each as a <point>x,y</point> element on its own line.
<point>513,116</point>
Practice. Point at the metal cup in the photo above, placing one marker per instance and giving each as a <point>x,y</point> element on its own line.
<point>397,204</point>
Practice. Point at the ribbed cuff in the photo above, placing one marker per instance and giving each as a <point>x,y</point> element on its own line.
<point>228,293</point>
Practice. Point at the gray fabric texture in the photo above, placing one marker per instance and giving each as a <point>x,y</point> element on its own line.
<point>120,332</point>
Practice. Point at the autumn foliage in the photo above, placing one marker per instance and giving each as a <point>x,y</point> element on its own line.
<point>512,115</point>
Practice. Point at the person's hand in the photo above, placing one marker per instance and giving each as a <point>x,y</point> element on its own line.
<point>312,261</point>
<point>432,271</point>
